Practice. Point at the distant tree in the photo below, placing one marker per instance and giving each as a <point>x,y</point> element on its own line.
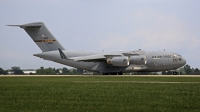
<point>3,71</point>
<point>74,71</point>
<point>196,71</point>
<point>46,71</point>
<point>182,71</point>
<point>65,71</point>
<point>192,70</point>
<point>79,71</point>
<point>50,71</point>
<point>40,71</point>
<point>188,69</point>
<point>57,71</point>
<point>17,70</point>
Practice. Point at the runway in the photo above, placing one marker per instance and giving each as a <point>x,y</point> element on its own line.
<point>99,75</point>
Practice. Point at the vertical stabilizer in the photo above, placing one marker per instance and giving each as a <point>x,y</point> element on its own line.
<point>41,36</point>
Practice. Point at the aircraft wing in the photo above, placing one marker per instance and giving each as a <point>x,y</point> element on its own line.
<point>97,58</point>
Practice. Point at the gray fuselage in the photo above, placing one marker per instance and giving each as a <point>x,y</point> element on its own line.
<point>156,61</point>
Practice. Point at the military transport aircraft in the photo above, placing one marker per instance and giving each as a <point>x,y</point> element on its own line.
<point>106,63</point>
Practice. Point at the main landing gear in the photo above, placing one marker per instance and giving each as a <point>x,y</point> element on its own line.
<point>114,73</point>
<point>175,73</point>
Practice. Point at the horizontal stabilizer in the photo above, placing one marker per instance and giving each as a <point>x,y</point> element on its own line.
<point>30,25</point>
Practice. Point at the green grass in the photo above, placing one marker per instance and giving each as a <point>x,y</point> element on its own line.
<point>99,94</point>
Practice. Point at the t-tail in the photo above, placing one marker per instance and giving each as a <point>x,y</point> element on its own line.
<point>41,36</point>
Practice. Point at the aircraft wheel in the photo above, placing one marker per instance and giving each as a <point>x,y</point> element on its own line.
<point>175,73</point>
<point>120,73</point>
<point>105,73</point>
<point>113,73</point>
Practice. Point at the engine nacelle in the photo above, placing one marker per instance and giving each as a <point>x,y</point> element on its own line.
<point>138,60</point>
<point>118,61</point>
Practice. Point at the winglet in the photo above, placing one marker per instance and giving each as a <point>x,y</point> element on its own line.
<point>62,55</point>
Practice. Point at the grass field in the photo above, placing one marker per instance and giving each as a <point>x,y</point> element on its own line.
<point>100,93</point>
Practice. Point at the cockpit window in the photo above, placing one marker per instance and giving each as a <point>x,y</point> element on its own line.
<point>176,55</point>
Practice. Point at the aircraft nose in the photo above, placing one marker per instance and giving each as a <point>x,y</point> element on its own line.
<point>183,62</point>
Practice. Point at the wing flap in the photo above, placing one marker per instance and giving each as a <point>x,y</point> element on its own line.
<point>97,58</point>
<point>89,58</point>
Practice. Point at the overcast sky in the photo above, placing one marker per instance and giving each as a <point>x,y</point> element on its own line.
<point>96,25</point>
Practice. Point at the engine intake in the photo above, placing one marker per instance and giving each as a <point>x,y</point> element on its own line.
<point>118,61</point>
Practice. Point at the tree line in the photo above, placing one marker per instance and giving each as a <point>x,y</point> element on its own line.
<point>63,71</point>
<point>191,71</point>
<point>187,69</point>
<point>15,70</point>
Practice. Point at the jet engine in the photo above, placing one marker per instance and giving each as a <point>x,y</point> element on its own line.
<point>118,61</point>
<point>138,60</point>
